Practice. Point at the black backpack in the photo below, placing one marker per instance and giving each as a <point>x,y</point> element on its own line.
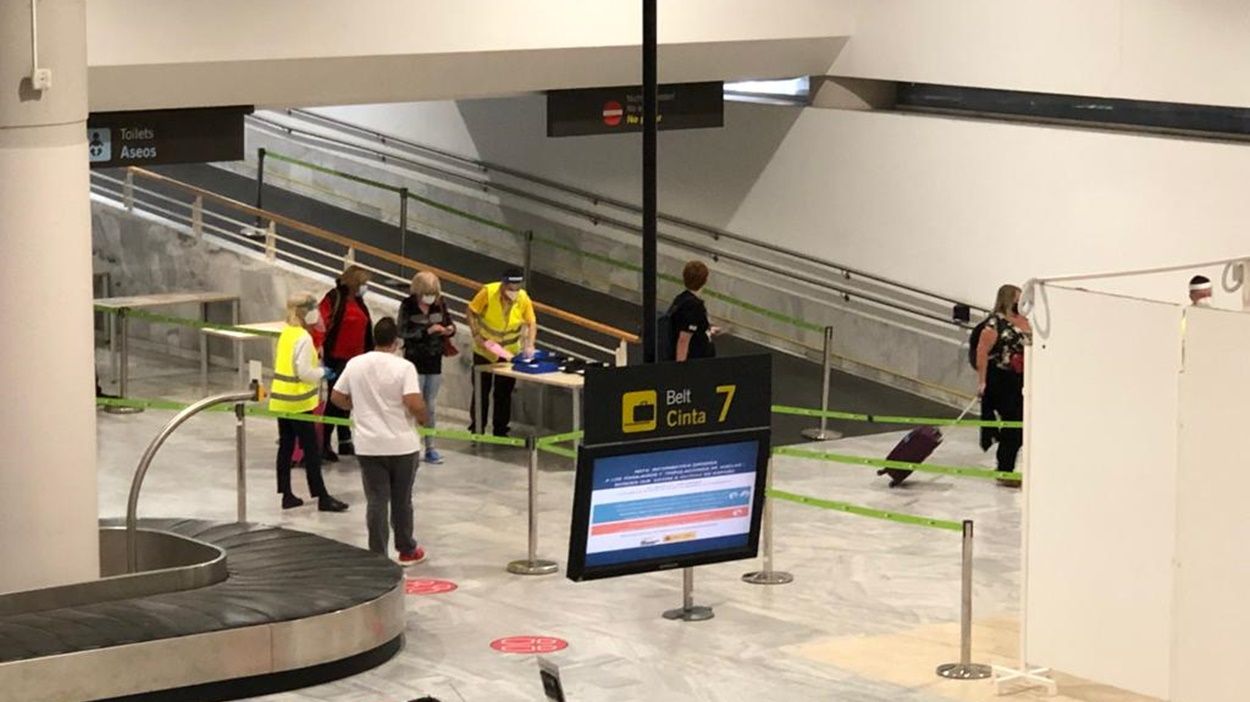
<point>665,338</point>
<point>974,340</point>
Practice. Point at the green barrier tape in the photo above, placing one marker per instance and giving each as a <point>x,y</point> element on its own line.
<point>257,411</point>
<point>466,215</point>
<point>330,171</point>
<point>866,511</point>
<point>560,438</point>
<point>885,419</point>
<point>183,321</point>
<point>865,462</point>
<point>558,450</point>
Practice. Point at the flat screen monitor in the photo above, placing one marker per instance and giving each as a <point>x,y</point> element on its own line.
<point>673,503</point>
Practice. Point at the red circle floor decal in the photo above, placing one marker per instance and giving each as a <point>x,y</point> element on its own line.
<point>529,644</point>
<point>418,586</point>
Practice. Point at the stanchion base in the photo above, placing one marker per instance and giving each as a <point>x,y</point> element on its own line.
<point>816,434</point>
<point>122,409</point>
<point>690,614</point>
<point>538,567</point>
<point>768,577</point>
<point>962,671</point>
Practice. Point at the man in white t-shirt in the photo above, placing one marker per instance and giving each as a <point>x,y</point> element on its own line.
<point>383,394</point>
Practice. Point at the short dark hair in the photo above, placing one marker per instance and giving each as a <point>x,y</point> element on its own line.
<point>694,275</point>
<point>385,332</point>
<point>1199,280</point>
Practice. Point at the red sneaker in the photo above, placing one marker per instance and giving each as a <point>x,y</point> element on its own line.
<point>412,557</point>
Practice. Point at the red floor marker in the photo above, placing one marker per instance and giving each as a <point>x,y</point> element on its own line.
<point>529,644</point>
<point>419,586</point>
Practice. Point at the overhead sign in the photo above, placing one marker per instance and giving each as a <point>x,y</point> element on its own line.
<point>672,468</point>
<point>664,400</point>
<point>619,109</point>
<point>154,137</point>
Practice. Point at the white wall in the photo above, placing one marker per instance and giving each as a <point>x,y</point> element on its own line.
<point>1193,51</point>
<point>953,205</point>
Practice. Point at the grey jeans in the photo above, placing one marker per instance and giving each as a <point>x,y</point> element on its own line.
<point>388,488</point>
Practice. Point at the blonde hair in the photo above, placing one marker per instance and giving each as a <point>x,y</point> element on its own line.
<point>1007,296</point>
<point>298,305</point>
<point>355,276</point>
<point>426,283</point>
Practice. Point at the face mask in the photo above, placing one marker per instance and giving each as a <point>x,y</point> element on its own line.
<point>1203,302</point>
<point>313,317</point>
<point>510,294</point>
<point>429,299</point>
<point>362,290</point>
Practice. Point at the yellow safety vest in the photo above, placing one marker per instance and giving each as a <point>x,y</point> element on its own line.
<point>288,393</point>
<point>494,327</point>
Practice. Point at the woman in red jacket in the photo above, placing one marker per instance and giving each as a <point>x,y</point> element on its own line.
<point>349,333</point>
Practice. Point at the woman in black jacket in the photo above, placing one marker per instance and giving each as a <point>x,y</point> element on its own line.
<point>427,329</point>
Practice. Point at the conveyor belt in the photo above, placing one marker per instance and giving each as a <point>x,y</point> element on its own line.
<point>292,600</point>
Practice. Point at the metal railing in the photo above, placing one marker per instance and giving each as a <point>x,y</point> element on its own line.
<point>256,231</point>
<point>907,300</point>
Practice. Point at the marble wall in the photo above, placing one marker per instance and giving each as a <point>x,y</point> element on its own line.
<point>144,255</point>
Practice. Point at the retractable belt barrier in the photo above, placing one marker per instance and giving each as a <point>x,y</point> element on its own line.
<point>183,321</point>
<point>865,511</point>
<point>255,411</point>
<point>960,471</point>
<point>886,419</point>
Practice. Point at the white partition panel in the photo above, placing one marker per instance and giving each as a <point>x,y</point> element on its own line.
<point>1102,441</point>
<point>1212,529</point>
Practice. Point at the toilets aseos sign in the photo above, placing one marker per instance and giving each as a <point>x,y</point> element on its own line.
<point>155,137</point>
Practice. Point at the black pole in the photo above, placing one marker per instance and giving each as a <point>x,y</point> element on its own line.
<point>649,205</point>
<point>260,183</point>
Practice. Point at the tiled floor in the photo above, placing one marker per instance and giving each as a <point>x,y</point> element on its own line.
<point>871,612</point>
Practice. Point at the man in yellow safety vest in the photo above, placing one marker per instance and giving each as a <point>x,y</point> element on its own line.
<point>501,319</point>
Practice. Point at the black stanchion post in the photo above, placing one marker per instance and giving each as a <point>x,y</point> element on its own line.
<point>649,164</point>
<point>529,256</point>
<point>403,228</point>
<point>965,669</point>
<point>260,184</point>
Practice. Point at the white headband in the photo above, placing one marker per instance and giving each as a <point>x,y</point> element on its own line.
<point>1200,287</point>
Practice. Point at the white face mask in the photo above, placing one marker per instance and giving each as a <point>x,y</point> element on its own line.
<point>429,299</point>
<point>362,290</point>
<point>313,317</point>
<point>1203,302</point>
<point>510,294</point>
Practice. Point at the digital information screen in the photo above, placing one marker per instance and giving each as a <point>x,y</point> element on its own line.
<point>667,506</point>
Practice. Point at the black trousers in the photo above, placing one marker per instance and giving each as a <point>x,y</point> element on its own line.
<point>333,410</point>
<point>1004,397</point>
<point>288,431</point>
<point>502,388</point>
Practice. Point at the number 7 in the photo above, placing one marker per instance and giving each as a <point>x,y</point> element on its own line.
<point>728,391</point>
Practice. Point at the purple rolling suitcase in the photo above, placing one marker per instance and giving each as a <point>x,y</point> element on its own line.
<point>916,447</point>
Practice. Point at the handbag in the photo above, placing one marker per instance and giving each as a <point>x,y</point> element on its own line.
<point>449,347</point>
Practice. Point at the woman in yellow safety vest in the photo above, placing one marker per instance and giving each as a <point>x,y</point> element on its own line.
<point>501,318</point>
<point>297,376</point>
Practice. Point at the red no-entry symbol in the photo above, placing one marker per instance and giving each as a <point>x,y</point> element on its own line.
<point>418,586</point>
<point>612,113</point>
<point>529,644</point>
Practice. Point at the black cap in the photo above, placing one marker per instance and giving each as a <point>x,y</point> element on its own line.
<point>513,275</point>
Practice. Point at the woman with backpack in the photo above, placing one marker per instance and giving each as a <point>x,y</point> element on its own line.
<point>1000,375</point>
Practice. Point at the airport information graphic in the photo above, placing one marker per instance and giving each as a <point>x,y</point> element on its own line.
<point>663,504</point>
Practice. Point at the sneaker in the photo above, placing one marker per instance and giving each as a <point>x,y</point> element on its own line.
<point>412,557</point>
<point>346,448</point>
<point>290,501</point>
<point>329,456</point>
<point>432,456</point>
<point>329,504</point>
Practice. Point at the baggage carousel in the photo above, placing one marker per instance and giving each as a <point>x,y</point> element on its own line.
<point>217,611</point>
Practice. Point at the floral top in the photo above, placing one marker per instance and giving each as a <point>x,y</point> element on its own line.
<point>1008,351</point>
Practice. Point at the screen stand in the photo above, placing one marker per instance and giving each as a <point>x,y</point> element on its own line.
<point>689,612</point>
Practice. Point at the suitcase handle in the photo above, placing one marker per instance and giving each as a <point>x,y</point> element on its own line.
<point>967,409</point>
